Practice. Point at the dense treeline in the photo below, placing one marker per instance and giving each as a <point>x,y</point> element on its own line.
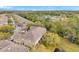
<point>66,28</point>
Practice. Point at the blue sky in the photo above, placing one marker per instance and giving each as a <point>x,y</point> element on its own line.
<point>67,8</point>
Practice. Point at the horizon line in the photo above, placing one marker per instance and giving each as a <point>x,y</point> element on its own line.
<point>40,8</point>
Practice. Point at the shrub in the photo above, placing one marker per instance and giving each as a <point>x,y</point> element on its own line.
<point>7,28</point>
<point>50,39</point>
<point>4,35</point>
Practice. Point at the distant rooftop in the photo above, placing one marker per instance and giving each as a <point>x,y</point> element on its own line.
<point>3,19</point>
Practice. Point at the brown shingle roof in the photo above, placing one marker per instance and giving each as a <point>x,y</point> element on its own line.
<point>35,34</point>
<point>31,37</point>
<point>8,46</point>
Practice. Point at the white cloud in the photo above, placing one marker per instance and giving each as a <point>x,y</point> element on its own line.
<point>6,7</point>
<point>39,2</point>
